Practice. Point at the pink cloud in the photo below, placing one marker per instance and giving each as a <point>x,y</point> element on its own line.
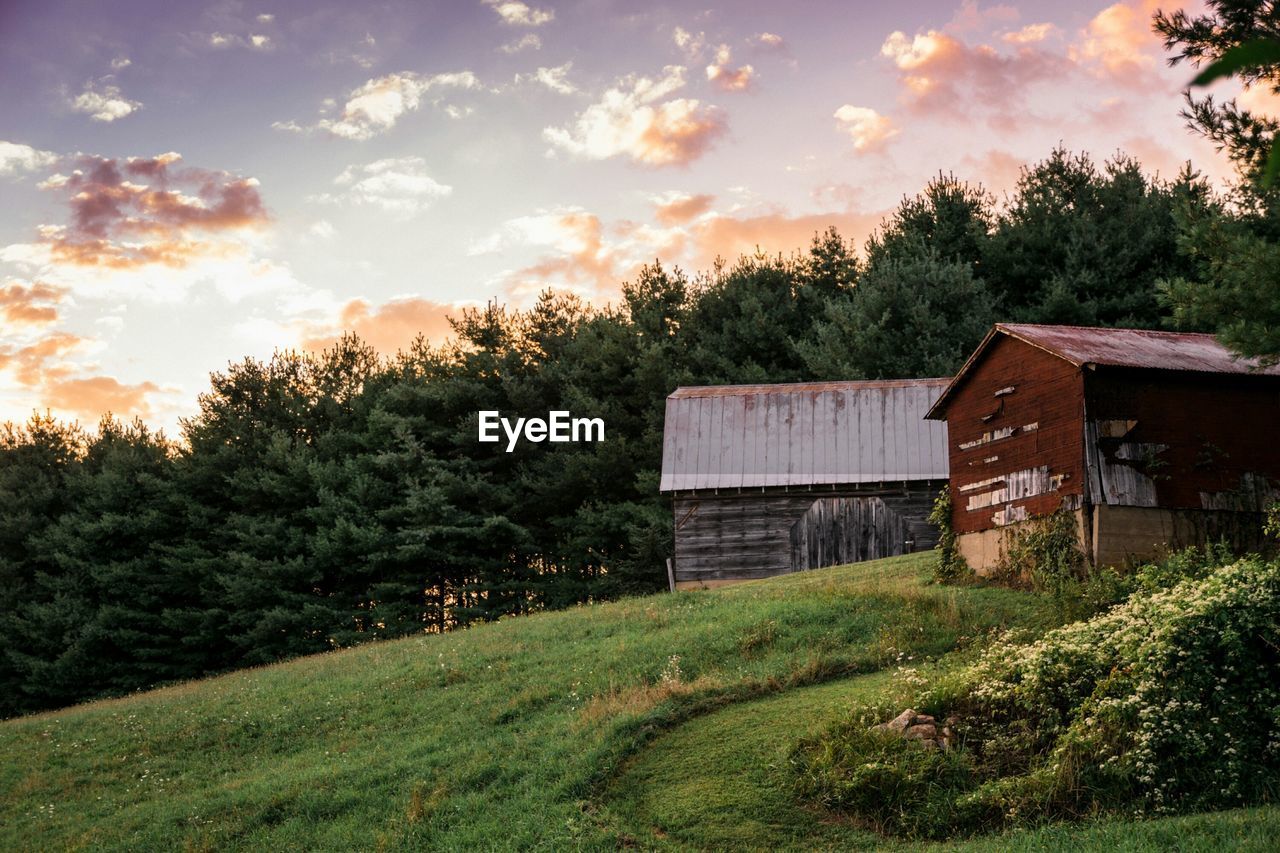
<point>146,210</point>
<point>680,208</point>
<point>1119,42</point>
<point>723,76</point>
<point>388,328</point>
<point>636,119</point>
<point>93,396</point>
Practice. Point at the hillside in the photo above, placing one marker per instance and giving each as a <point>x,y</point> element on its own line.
<point>556,730</point>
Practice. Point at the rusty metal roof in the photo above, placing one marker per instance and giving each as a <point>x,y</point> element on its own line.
<point>803,434</point>
<point>1137,348</point>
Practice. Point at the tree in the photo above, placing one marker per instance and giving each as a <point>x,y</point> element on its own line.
<point>1234,285</point>
<point>1085,246</point>
<point>909,317</point>
<point>1233,37</point>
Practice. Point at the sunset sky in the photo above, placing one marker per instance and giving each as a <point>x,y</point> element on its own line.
<point>188,183</point>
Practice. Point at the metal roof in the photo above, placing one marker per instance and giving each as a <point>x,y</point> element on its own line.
<point>812,433</point>
<point>1138,348</point>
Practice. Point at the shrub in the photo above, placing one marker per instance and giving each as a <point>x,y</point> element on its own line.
<point>950,566</point>
<point>1165,703</point>
<point>1043,554</point>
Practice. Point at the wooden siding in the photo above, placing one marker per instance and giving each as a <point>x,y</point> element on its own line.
<point>747,535</point>
<point>1182,440</point>
<point>1015,430</point>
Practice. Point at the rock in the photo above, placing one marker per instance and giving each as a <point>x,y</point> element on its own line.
<point>901,722</point>
<point>923,731</point>
<point>923,719</point>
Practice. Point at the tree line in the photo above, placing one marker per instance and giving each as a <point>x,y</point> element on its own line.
<point>315,501</point>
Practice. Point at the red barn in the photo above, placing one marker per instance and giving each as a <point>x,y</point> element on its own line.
<point>1150,438</point>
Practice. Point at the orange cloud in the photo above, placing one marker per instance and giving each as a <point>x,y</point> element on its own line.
<point>142,211</point>
<point>1119,40</point>
<point>33,305</point>
<point>31,364</point>
<point>722,76</point>
<point>679,208</point>
<point>634,119</point>
<point>1030,34</point>
<point>94,396</point>
<point>582,263</point>
<point>943,73</point>
<point>389,327</point>
<point>866,127</point>
<point>772,233</point>
<point>997,171</point>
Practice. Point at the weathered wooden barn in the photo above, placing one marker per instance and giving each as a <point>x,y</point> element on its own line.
<point>1151,439</point>
<point>768,479</point>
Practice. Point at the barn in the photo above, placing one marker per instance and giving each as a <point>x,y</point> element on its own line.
<point>1150,439</point>
<point>769,479</point>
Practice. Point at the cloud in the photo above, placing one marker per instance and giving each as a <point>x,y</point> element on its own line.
<point>16,157</point>
<point>31,364</point>
<point>997,171</point>
<point>1260,100</point>
<point>690,44</point>
<point>518,14</point>
<point>769,41</point>
<point>1030,34</point>
<point>583,254</point>
<point>556,79</point>
<point>578,259</point>
<point>866,127</point>
<point>396,184</point>
<point>722,76</point>
<point>632,119</point>
<point>146,210</point>
<point>1118,41</point>
<point>679,208</point>
<point>120,63</point>
<point>770,232</point>
<point>941,73</point>
<point>93,396</point>
<point>971,17</point>
<point>388,328</point>
<point>253,41</point>
<point>323,229</point>
<point>376,106</point>
<point>532,41</point>
<point>34,304</point>
<point>103,101</point>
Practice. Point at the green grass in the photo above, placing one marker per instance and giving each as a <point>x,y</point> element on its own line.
<point>719,781</point>
<point>533,732</point>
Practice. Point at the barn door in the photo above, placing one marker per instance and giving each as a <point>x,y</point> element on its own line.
<point>840,530</point>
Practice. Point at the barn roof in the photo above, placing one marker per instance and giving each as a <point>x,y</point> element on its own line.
<point>803,434</point>
<point>1138,348</point>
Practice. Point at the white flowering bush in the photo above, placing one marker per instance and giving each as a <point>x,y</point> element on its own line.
<point>1168,702</point>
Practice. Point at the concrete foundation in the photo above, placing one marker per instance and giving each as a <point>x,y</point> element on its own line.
<point>1126,535</point>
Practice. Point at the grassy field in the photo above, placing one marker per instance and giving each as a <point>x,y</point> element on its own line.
<point>560,730</point>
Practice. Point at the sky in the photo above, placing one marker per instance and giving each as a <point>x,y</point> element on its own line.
<point>186,184</point>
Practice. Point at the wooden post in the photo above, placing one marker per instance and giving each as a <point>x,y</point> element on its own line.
<point>671,576</point>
